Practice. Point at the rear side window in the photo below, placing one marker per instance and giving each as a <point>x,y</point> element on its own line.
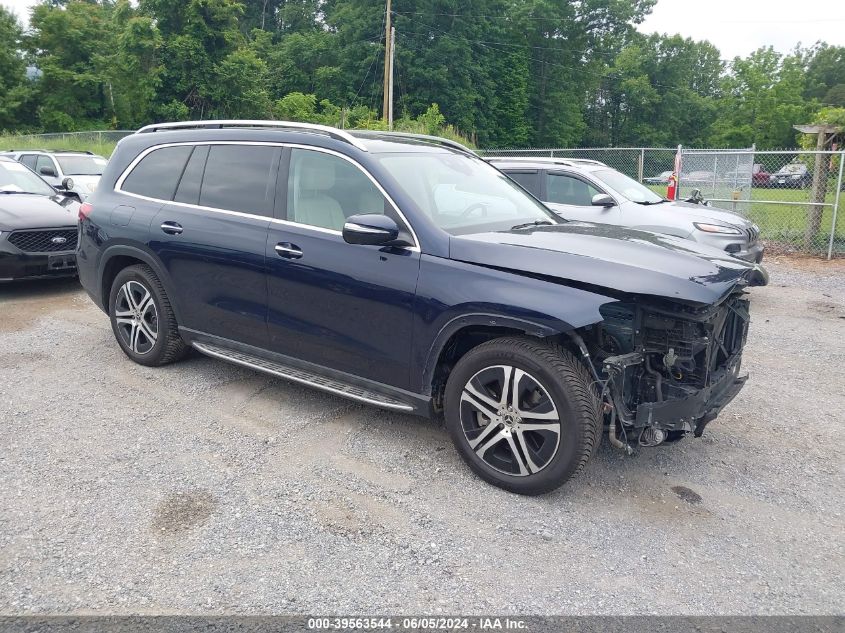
<point>189,187</point>
<point>29,161</point>
<point>530,180</point>
<point>241,178</point>
<point>158,173</point>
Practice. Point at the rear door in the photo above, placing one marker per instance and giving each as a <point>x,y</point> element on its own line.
<point>210,235</point>
<point>571,197</point>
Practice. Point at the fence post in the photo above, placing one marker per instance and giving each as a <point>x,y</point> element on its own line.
<point>641,164</point>
<point>835,206</point>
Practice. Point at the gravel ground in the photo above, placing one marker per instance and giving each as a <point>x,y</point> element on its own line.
<point>206,488</point>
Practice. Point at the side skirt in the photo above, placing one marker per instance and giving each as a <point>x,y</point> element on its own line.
<point>324,379</point>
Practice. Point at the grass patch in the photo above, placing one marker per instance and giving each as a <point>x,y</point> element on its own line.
<point>98,143</point>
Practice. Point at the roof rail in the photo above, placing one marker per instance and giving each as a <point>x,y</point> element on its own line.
<point>52,151</point>
<point>334,133</point>
<point>546,159</point>
<point>439,140</point>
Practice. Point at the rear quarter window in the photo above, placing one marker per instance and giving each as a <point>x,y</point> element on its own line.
<point>158,173</point>
<point>530,180</point>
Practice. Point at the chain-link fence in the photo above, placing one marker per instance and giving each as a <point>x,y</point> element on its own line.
<point>792,195</point>
<point>75,139</point>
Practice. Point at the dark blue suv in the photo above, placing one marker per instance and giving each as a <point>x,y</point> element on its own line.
<point>404,272</point>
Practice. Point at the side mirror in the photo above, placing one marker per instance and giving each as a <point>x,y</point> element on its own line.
<point>603,200</point>
<point>67,184</point>
<point>370,228</point>
<point>47,171</point>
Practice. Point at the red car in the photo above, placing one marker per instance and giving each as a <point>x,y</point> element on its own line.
<point>759,176</point>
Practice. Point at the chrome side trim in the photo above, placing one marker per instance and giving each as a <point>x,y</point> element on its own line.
<point>118,186</point>
<point>303,377</point>
<point>333,132</point>
<point>360,228</point>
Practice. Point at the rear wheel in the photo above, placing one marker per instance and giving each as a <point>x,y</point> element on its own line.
<point>523,414</point>
<point>142,318</point>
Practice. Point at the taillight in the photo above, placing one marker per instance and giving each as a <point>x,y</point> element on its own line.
<point>85,210</point>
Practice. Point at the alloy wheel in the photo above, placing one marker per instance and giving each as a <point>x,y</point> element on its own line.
<point>136,317</point>
<point>510,420</point>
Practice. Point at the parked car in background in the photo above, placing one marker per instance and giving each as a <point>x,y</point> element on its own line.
<point>791,176</point>
<point>405,272</point>
<point>56,166</point>
<point>759,176</point>
<point>660,179</point>
<point>600,194</point>
<point>699,179</point>
<point>37,225</point>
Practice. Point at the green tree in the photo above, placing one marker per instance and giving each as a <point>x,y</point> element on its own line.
<point>14,88</point>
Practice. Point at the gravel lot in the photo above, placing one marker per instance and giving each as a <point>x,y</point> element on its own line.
<point>207,488</point>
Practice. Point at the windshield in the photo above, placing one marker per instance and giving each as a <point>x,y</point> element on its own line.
<point>82,165</point>
<point>16,178</point>
<point>628,187</point>
<point>462,194</point>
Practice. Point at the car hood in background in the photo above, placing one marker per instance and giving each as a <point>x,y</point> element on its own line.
<point>85,184</point>
<point>612,257</point>
<point>701,213</point>
<point>27,211</point>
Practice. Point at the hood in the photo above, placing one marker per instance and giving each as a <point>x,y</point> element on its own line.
<point>27,211</point>
<point>700,213</point>
<point>85,184</point>
<point>615,258</point>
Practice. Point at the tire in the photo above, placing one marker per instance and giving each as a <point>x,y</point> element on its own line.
<point>142,318</point>
<point>503,451</point>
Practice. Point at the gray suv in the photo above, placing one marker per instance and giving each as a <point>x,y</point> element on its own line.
<point>590,191</point>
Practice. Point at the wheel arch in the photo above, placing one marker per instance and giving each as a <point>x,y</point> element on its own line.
<point>116,258</point>
<point>464,333</point>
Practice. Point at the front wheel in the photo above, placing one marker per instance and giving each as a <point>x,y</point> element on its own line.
<point>523,414</point>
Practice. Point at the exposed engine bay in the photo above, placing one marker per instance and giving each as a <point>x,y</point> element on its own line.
<point>667,369</point>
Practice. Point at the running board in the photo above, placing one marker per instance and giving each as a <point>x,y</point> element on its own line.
<point>303,376</point>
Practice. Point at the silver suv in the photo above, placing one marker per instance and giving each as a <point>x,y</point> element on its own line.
<point>56,166</point>
<point>590,191</point>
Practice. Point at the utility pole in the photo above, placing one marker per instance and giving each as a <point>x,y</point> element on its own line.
<point>390,79</point>
<point>387,54</point>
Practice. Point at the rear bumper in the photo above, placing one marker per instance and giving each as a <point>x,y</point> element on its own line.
<point>15,266</point>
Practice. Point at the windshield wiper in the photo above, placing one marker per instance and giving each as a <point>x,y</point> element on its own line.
<point>534,223</point>
<point>646,203</point>
<point>10,191</point>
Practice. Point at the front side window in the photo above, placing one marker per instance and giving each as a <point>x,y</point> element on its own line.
<point>563,189</point>
<point>240,178</point>
<point>158,172</point>
<point>45,162</point>
<point>324,190</point>
<point>462,194</point>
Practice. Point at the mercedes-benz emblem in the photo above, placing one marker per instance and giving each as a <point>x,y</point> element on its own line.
<point>59,240</point>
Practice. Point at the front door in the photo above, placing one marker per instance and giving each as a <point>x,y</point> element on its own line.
<point>342,306</point>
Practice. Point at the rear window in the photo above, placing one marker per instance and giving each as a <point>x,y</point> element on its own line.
<point>241,178</point>
<point>158,173</point>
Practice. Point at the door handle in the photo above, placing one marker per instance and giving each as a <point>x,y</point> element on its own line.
<point>171,228</point>
<point>288,250</point>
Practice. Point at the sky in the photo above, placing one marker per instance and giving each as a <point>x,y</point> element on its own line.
<point>736,27</point>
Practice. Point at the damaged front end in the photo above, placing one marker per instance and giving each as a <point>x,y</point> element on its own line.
<point>667,368</point>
